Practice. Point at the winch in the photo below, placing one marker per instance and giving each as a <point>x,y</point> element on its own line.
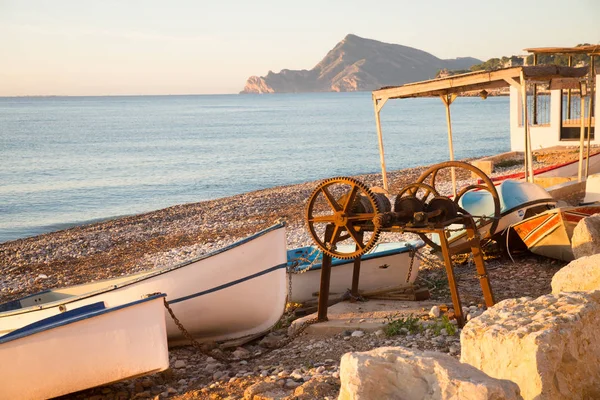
<point>344,210</point>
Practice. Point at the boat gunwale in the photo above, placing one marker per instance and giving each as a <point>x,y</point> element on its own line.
<point>143,276</point>
<point>91,314</point>
<point>510,211</point>
<point>336,262</point>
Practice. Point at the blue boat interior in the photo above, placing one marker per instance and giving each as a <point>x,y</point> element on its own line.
<point>303,256</point>
<point>54,320</point>
<point>512,194</point>
<point>67,317</point>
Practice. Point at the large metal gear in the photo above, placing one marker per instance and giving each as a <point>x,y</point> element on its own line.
<point>431,174</point>
<point>349,207</point>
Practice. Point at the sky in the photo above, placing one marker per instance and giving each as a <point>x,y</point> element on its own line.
<point>118,47</point>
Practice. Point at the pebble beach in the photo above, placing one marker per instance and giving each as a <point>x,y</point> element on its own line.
<point>308,367</point>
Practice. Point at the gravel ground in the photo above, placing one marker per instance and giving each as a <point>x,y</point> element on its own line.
<point>306,368</point>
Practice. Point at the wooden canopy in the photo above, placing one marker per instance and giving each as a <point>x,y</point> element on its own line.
<point>448,88</point>
<point>593,49</point>
<point>475,81</point>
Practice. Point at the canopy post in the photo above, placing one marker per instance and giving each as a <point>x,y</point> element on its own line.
<point>569,92</point>
<point>581,131</point>
<point>590,111</point>
<point>528,156</point>
<point>534,97</point>
<point>447,100</point>
<point>378,108</point>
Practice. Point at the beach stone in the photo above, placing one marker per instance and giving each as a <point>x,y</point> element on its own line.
<point>549,346</point>
<point>396,372</point>
<point>241,352</point>
<point>582,274</point>
<point>316,389</point>
<point>434,312</point>
<point>179,364</point>
<point>358,334</point>
<point>271,341</point>
<point>257,388</point>
<point>586,237</point>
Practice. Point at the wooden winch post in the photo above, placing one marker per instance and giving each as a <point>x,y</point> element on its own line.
<point>348,217</point>
<point>474,241</point>
<point>325,278</point>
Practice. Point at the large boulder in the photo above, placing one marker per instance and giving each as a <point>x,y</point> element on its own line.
<point>586,237</point>
<point>398,373</point>
<point>579,275</point>
<point>549,346</point>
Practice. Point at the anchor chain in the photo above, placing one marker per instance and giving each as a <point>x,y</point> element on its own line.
<point>221,357</point>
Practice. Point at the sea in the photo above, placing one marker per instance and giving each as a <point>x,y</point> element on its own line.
<point>66,161</point>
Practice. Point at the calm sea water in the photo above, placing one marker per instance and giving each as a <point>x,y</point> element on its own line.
<point>71,160</point>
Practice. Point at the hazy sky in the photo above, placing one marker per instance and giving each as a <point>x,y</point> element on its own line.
<point>79,47</point>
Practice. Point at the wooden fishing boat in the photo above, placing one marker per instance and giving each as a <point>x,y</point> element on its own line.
<point>549,234</point>
<point>83,348</point>
<point>563,170</point>
<point>234,292</point>
<point>386,265</point>
<point>518,200</point>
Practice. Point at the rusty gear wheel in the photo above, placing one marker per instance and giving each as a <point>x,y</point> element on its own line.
<point>348,206</point>
<point>431,174</point>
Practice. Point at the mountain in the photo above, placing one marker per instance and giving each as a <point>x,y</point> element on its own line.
<point>356,64</point>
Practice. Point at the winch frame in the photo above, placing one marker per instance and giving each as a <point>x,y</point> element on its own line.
<point>474,242</point>
<point>374,218</point>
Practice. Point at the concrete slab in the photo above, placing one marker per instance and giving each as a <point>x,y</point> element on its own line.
<point>366,316</point>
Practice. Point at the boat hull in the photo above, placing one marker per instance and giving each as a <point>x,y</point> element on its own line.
<point>549,234</point>
<point>94,349</point>
<point>235,292</point>
<point>379,269</point>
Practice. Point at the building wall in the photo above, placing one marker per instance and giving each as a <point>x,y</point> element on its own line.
<point>543,136</point>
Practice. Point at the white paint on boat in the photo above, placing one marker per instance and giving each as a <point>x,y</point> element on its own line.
<point>518,200</point>
<point>571,169</point>
<point>386,265</point>
<point>89,349</point>
<point>549,234</point>
<point>592,189</point>
<point>234,292</point>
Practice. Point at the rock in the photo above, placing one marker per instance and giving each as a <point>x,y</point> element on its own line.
<point>579,275</point>
<point>586,237</point>
<point>212,367</point>
<point>379,333</point>
<point>316,389</point>
<point>549,346</point>
<point>241,352</point>
<point>358,334</point>
<point>270,341</point>
<point>179,364</point>
<point>257,388</point>
<point>292,384</point>
<point>395,372</point>
<point>434,312</point>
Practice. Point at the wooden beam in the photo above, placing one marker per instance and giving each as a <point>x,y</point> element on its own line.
<point>512,82</point>
<point>581,132</point>
<point>447,100</point>
<point>380,139</point>
<point>457,84</point>
<point>590,111</point>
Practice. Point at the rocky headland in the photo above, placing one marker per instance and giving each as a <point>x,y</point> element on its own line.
<point>357,64</point>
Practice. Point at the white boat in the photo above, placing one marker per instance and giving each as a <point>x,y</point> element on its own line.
<point>563,170</point>
<point>236,291</point>
<point>549,234</point>
<point>386,265</point>
<point>518,200</point>
<point>84,348</point>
